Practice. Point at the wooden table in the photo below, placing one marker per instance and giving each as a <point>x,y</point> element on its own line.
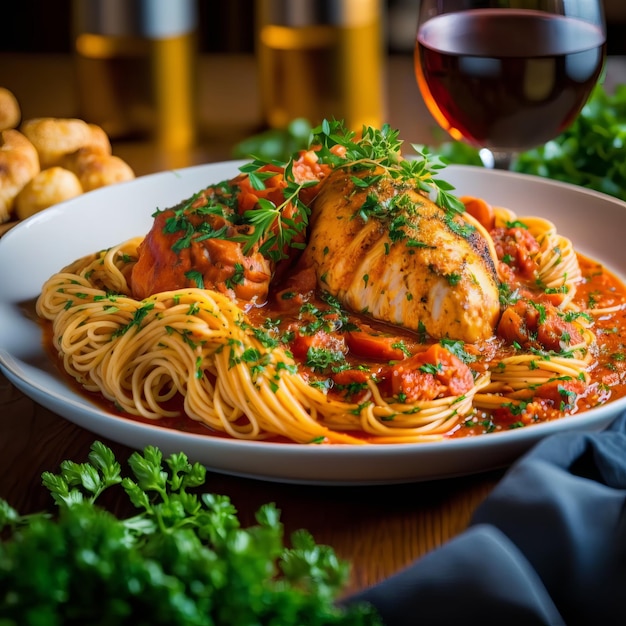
<point>379,529</point>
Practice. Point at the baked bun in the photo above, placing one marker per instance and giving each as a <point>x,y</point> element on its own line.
<point>49,160</point>
<point>19,163</point>
<point>55,137</point>
<point>99,140</point>
<point>96,169</point>
<point>50,186</point>
<point>10,112</point>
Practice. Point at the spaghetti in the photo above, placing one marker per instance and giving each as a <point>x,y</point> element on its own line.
<point>299,366</point>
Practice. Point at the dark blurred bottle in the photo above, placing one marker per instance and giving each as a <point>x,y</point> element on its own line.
<point>321,59</point>
<point>136,63</point>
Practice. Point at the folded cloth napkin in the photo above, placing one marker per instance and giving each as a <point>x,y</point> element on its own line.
<point>547,546</point>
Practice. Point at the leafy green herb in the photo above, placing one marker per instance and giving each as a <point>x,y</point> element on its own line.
<point>453,279</point>
<point>320,359</point>
<point>400,345</point>
<point>314,319</point>
<point>237,278</point>
<point>372,207</point>
<point>590,153</point>
<point>179,222</point>
<point>457,348</point>
<point>276,144</point>
<point>138,317</point>
<point>507,296</point>
<point>516,224</point>
<point>381,148</point>
<point>196,277</point>
<point>182,560</point>
<point>541,309</point>
<point>429,368</point>
<point>376,149</point>
<point>272,230</point>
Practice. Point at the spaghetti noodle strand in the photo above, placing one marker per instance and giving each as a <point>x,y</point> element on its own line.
<point>198,344</point>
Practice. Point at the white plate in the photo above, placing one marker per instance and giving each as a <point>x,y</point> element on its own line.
<point>41,245</point>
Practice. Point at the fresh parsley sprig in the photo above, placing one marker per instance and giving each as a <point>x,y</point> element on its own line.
<point>374,146</point>
<point>338,147</point>
<point>183,559</point>
<point>591,152</point>
<point>273,230</point>
<point>382,148</point>
<point>179,222</point>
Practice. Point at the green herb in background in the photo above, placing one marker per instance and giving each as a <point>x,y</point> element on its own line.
<point>182,560</point>
<point>276,144</point>
<point>590,153</point>
<point>458,152</point>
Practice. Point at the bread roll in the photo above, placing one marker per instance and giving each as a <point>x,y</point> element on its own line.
<point>19,163</point>
<point>49,187</point>
<point>99,139</point>
<point>56,137</point>
<point>10,112</point>
<point>95,169</point>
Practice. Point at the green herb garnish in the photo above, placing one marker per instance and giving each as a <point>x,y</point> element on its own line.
<point>183,559</point>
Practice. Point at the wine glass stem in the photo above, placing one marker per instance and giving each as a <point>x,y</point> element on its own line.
<point>496,160</point>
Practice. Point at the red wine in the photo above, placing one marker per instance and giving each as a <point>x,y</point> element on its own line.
<point>507,79</point>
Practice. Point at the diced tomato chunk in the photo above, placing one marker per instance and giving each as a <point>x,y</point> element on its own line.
<point>537,325</point>
<point>480,210</point>
<point>367,343</point>
<point>351,383</point>
<point>427,375</point>
<point>561,392</point>
<point>515,247</point>
<point>301,343</point>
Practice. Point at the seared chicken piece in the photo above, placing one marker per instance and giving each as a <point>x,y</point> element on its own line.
<point>388,251</point>
<point>176,254</point>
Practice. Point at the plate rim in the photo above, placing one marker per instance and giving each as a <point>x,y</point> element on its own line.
<point>516,440</point>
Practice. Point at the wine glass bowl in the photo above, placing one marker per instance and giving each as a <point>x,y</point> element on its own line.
<point>508,75</point>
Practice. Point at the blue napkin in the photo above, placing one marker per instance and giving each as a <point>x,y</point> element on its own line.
<point>547,546</point>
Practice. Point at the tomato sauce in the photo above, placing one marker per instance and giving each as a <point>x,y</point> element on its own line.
<point>599,289</point>
<point>367,348</point>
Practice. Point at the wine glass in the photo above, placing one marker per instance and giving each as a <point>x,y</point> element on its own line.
<point>508,75</point>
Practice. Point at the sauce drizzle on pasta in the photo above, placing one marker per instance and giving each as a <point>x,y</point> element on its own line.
<point>250,341</point>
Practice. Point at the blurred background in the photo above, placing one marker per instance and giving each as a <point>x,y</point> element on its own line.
<point>38,62</point>
<point>226,27</point>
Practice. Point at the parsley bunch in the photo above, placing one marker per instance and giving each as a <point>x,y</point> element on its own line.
<point>182,560</point>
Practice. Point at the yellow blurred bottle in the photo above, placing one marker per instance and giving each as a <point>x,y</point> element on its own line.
<point>136,63</point>
<point>321,59</point>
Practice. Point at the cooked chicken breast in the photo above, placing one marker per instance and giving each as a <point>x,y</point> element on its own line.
<point>388,251</point>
